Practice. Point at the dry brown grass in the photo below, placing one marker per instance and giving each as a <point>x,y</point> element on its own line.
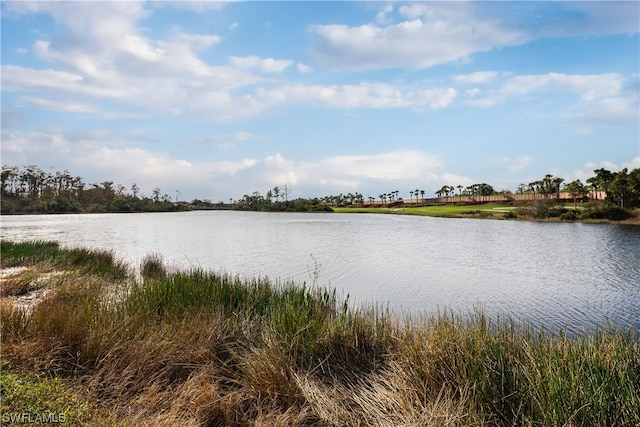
<point>195,349</point>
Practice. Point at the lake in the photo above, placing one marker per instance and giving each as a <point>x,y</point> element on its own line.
<point>570,275</point>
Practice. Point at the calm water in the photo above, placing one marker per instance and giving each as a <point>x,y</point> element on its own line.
<point>574,276</point>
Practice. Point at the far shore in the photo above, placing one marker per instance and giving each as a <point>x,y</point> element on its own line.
<point>497,211</point>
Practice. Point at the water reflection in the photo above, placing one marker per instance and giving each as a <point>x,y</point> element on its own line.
<point>556,275</point>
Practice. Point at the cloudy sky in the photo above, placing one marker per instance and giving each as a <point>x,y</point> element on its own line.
<point>218,100</point>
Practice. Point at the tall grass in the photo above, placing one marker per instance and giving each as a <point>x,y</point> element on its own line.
<point>201,348</point>
<point>46,254</point>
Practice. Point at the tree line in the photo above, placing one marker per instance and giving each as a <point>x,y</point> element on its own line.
<point>32,190</point>
<point>620,188</point>
<point>277,200</point>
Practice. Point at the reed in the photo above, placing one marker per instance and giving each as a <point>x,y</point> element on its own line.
<point>202,348</point>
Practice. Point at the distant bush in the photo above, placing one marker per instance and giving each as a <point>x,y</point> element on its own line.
<point>542,209</point>
<point>569,216</point>
<point>612,213</point>
<point>510,215</point>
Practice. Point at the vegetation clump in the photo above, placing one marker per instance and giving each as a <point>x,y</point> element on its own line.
<point>202,348</point>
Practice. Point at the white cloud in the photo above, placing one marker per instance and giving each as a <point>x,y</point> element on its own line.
<point>382,15</point>
<point>614,111</point>
<point>58,105</point>
<point>102,155</point>
<point>267,65</point>
<point>364,95</point>
<point>476,77</point>
<point>433,34</point>
<point>197,6</point>
<point>603,98</point>
<point>399,165</point>
<point>101,54</point>
<point>367,173</point>
<point>199,41</point>
<point>586,171</point>
<point>589,87</point>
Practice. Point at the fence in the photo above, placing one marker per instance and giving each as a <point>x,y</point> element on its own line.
<point>498,198</point>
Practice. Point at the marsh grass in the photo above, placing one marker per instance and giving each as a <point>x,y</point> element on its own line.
<point>201,348</point>
<point>49,256</point>
<point>152,267</point>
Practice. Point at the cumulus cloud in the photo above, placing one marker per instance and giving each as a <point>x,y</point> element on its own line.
<point>100,51</point>
<point>602,98</point>
<point>97,156</point>
<point>100,155</point>
<point>586,171</point>
<point>102,55</point>
<point>433,34</point>
<point>368,174</point>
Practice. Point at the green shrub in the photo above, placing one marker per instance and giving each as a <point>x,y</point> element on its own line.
<point>612,213</point>
<point>510,215</point>
<point>569,216</point>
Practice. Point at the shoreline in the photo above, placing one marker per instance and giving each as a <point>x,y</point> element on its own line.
<point>495,213</point>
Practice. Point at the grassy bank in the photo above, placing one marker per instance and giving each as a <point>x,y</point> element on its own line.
<point>529,212</point>
<point>447,211</point>
<point>200,348</point>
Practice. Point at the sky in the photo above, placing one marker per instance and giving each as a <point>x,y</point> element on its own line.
<point>215,100</point>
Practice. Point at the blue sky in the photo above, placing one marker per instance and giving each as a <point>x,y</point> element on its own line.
<point>220,99</point>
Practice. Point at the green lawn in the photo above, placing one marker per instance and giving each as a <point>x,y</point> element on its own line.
<point>438,211</point>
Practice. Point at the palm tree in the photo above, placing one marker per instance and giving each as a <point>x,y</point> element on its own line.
<point>556,182</point>
<point>422,195</point>
<point>577,190</point>
<point>604,178</point>
<point>593,181</point>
